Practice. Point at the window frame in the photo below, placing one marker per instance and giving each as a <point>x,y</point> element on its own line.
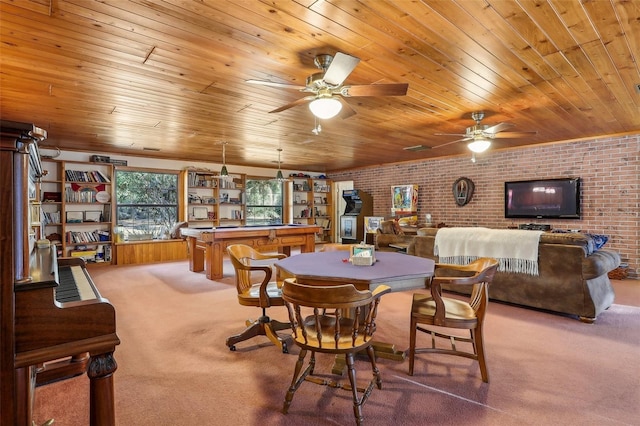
<point>282,206</point>
<point>180,194</point>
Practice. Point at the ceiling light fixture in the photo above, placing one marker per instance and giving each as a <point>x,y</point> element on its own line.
<point>279,176</point>
<point>479,145</point>
<point>325,107</point>
<point>223,172</point>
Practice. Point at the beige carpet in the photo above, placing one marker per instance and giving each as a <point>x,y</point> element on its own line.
<point>174,369</point>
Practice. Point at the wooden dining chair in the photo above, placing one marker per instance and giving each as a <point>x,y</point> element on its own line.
<point>445,312</point>
<point>248,263</point>
<point>334,319</point>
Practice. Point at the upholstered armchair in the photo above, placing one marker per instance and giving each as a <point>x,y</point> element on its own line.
<point>389,232</point>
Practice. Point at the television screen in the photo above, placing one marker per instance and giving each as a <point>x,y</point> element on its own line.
<point>543,199</point>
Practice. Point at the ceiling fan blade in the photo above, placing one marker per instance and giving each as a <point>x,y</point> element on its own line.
<point>397,89</point>
<point>452,142</point>
<point>450,134</point>
<point>498,127</point>
<point>346,111</point>
<point>294,103</point>
<point>340,68</point>
<point>274,84</point>
<point>505,135</point>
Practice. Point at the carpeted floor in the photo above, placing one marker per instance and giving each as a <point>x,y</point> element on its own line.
<point>174,369</point>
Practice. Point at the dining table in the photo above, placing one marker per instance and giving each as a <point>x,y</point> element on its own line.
<point>397,270</point>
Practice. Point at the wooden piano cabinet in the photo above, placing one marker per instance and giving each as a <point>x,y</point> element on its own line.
<point>102,365</point>
<point>101,395</point>
<point>65,368</point>
<point>19,170</point>
<point>35,328</point>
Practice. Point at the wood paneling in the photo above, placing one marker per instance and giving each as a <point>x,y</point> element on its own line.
<point>124,77</point>
<point>131,253</point>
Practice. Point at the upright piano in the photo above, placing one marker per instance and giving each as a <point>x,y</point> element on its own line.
<point>54,322</point>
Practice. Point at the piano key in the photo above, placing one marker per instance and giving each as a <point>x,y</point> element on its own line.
<point>73,284</point>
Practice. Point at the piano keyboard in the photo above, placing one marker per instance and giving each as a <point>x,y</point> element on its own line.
<point>74,284</point>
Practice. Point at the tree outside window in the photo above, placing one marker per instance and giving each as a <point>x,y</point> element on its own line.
<point>264,202</point>
<point>146,203</point>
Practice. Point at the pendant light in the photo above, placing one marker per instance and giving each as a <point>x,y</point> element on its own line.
<point>279,176</point>
<point>224,173</point>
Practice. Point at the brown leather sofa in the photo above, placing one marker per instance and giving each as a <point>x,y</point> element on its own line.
<point>388,233</point>
<point>572,276</point>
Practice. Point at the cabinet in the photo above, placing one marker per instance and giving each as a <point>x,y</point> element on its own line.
<point>313,205</point>
<point>212,201</point>
<point>77,209</point>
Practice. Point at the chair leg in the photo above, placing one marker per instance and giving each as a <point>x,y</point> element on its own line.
<point>412,344</point>
<point>374,367</point>
<point>357,402</point>
<point>263,326</point>
<point>270,332</point>
<point>255,329</point>
<point>278,325</point>
<point>478,343</point>
<point>298,378</point>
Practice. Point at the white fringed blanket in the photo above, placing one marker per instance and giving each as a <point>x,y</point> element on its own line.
<point>515,249</point>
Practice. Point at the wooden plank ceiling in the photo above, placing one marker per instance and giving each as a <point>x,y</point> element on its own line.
<point>168,78</point>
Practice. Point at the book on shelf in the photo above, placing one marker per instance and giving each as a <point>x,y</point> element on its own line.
<point>106,213</point>
<point>51,217</point>
<point>325,223</point>
<point>79,237</point>
<point>86,176</point>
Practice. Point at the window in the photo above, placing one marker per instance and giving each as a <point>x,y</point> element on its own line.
<point>264,202</point>
<point>146,203</point>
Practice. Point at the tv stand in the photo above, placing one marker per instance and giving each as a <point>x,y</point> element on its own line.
<point>535,226</point>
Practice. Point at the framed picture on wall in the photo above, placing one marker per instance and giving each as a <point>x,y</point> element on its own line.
<point>404,199</point>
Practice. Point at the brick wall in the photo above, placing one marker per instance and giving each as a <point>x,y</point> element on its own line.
<point>609,169</point>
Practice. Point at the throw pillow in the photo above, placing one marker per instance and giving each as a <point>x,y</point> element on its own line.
<point>396,228</point>
<point>386,227</point>
<point>598,240</point>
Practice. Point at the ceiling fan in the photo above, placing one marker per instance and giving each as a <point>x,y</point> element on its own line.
<point>480,135</point>
<point>326,88</point>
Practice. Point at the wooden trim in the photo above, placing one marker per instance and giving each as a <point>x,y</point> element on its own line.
<point>151,251</point>
<point>147,170</point>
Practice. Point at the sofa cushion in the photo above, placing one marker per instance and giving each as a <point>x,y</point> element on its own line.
<point>390,227</point>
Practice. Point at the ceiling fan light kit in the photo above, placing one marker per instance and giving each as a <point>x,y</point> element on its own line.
<point>326,87</point>
<point>479,145</point>
<point>479,135</point>
<point>325,108</point>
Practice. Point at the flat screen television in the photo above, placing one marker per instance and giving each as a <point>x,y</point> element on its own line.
<point>543,199</point>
